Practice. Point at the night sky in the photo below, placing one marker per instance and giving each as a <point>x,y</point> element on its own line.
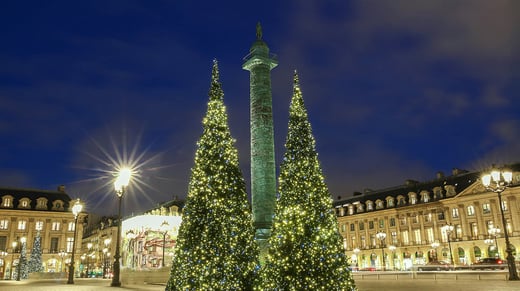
<point>395,90</point>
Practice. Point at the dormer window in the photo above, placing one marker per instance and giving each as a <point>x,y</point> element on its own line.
<point>24,203</point>
<point>370,205</point>
<point>360,208</point>
<point>41,203</point>
<point>401,201</point>
<point>390,201</point>
<point>7,201</point>
<point>425,196</point>
<point>412,197</point>
<point>57,205</point>
<point>379,204</point>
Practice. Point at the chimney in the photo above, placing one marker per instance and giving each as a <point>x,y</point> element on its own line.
<point>61,188</point>
<point>440,175</point>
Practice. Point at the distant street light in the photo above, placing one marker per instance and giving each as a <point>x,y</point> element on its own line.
<point>76,210</point>
<point>119,185</point>
<point>497,181</point>
<point>164,230</point>
<point>381,237</point>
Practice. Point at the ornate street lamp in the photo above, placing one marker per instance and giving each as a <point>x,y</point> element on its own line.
<point>76,210</point>
<point>448,229</point>
<point>497,181</point>
<point>494,231</point>
<point>119,185</point>
<point>381,237</point>
<point>164,230</point>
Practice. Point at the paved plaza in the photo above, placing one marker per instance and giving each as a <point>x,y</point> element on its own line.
<point>363,285</point>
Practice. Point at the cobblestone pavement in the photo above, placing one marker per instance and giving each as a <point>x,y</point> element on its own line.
<point>363,285</point>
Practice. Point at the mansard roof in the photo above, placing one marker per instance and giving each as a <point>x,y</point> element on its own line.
<point>33,195</point>
<point>458,181</point>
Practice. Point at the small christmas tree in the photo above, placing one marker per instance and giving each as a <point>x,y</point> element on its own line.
<point>306,250</point>
<point>35,260</point>
<point>215,247</point>
<point>24,270</point>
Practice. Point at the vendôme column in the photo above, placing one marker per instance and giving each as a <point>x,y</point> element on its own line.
<point>263,173</point>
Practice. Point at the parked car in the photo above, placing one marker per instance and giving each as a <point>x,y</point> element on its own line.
<point>489,263</point>
<point>435,266</point>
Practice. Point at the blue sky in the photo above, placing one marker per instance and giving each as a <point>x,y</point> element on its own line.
<point>395,90</point>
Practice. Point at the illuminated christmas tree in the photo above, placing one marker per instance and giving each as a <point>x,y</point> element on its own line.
<point>215,248</point>
<point>35,260</point>
<point>306,250</point>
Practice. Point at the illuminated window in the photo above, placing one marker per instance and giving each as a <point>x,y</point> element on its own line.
<point>474,229</point>
<point>4,224</point>
<point>373,240</point>
<point>406,239</point>
<point>471,210</point>
<point>41,203</point>
<point>54,245</point>
<point>71,226</point>
<point>39,225</point>
<point>22,224</point>
<point>417,236</point>
<point>394,237</point>
<point>504,205</point>
<point>428,217</point>
<point>370,205</point>
<point>70,243</point>
<point>486,208</point>
<point>455,212</point>
<point>458,230</point>
<point>429,234</point>
<point>390,202</point>
<point>7,201</point>
<point>381,223</point>
<point>55,225</point>
<point>392,221</point>
<point>363,242</point>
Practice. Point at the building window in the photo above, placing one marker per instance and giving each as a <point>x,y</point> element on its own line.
<point>428,217</point>
<point>352,227</point>
<point>360,208</point>
<point>486,208</point>
<point>39,225</point>
<point>380,204</point>
<point>7,201</point>
<point>455,212</point>
<point>370,205</point>
<point>401,201</point>
<point>4,224</point>
<point>54,245</point>
<point>394,237</point>
<point>413,198</point>
<point>343,227</point>
<point>41,203</point>
<point>458,230</point>
<point>363,242</point>
<point>350,209</point>
<point>403,220</point>
<point>3,243</point>
<point>361,226</point>
<point>425,196</point>
<point>474,229</point>
<point>55,225</point>
<point>381,223</point>
<point>415,218</point>
<point>440,215</point>
<point>417,236</point>
<point>471,210</point>
<point>504,205</point>
<point>70,243</point>
<point>71,226</point>
<point>353,239</point>
<point>429,234</point>
<point>406,239</point>
<point>22,224</point>
<point>371,225</point>
<point>392,221</point>
<point>390,202</point>
<point>373,240</point>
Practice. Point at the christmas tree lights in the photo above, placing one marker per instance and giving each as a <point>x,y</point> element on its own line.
<point>215,247</point>
<point>306,250</point>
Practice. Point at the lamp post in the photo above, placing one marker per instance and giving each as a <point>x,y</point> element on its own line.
<point>21,259</point>
<point>448,229</point>
<point>62,254</point>
<point>164,230</point>
<point>497,181</point>
<point>119,185</point>
<point>76,209</point>
<point>494,231</point>
<point>14,244</point>
<point>381,237</point>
